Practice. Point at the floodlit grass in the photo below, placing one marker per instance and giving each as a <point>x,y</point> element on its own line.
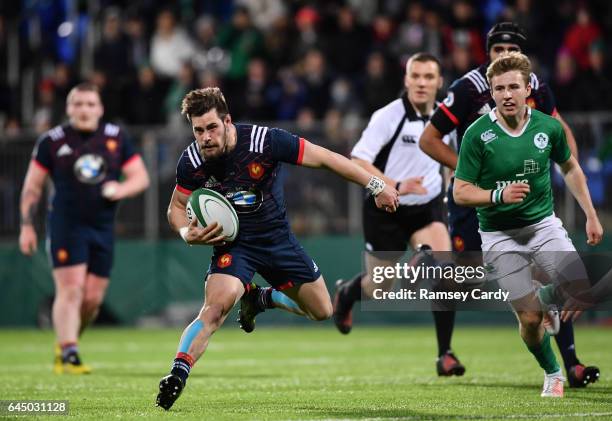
<point>306,373</point>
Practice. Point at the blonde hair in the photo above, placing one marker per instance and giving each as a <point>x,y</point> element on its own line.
<point>509,62</point>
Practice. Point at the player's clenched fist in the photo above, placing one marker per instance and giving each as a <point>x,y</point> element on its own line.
<point>515,193</point>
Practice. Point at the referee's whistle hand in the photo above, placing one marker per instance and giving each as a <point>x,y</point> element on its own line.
<point>412,185</point>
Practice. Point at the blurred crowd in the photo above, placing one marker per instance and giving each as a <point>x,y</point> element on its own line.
<point>301,61</point>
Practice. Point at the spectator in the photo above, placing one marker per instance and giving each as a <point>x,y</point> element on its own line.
<point>564,83</point>
<point>145,98</point>
<point>170,47</point>
<point>242,41</point>
<point>464,30</point>
<point>580,38</point>
<point>250,99</point>
<point>594,84</point>
<point>347,44</point>
<point>317,82</point>
<point>379,87</point>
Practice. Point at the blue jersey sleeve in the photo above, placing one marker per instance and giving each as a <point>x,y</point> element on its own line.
<point>286,147</point>
<point>185,182</point>
<point>42,153</point>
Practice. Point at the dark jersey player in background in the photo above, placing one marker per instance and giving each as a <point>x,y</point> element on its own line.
<point>84,159</point>
<point>469,98</point>
<point>243,162</point>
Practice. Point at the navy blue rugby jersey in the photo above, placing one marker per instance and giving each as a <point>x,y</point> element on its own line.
<point>79,163</point>
<point>469,97</point>
<point>250,176</point>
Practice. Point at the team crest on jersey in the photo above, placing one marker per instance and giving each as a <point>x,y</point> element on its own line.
<point>62,255</point>
<point>488,136</point>
<point>531,102</point>
<point>449,100</point>
<point>111,145</point>
<point>541,141</point>
<point>256,170</point>
<point>224,261</point>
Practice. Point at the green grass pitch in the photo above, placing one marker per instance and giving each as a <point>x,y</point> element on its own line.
<point>306,373</point>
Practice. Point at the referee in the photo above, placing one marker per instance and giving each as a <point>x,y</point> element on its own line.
<point>389,149</point>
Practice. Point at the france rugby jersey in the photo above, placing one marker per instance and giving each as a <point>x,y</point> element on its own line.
<point>79,163</point>
<point>250,176</point>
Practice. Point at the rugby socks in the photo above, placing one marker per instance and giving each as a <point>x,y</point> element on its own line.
<point>445,322</point>
<point>545,356</point>
<point>271,298</point>
<point>183,362</point>
<point>565,342</point>
<point>69,349</point>
<point>182,366</point>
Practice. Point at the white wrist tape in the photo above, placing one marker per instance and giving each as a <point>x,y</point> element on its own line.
<point>183,233</point>
<point>375,185</point>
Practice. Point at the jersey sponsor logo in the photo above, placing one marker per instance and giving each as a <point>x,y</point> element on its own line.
<point>529,167</point>
<point>111,145</point>
<point>410,139</point>
<point>62,255</point>
<point>488,136</point>
<point>449,100</point>
<point>64,150</point>
<point>90,169</point>
<point>256,170</point>
<point>485,109</point>
<point>506,183</point>
<point>245,201</point>
<point>541,141</point>
<point>224,261</point>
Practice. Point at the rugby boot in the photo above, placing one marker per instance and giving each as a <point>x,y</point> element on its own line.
<point>170,388</point>
<point>72,364</point>
<point>250,307</point>
<point>449,365</point>
<point>553,385</point>
<point>343,308</point>
<point>580,375</point>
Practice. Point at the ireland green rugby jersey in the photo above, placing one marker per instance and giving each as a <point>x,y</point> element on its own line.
<point>492,158</point>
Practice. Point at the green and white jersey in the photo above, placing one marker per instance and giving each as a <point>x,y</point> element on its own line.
<point>492,158</point>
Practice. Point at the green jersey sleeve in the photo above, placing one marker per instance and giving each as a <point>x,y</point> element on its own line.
<point>470,158</point>
<point>560,150</point>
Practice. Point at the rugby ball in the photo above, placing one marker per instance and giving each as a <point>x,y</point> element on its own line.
<point>208,206</point>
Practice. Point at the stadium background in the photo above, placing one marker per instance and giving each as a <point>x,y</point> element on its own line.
<point>317,68</point>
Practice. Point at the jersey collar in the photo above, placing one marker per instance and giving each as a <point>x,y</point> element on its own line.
<point>493,118</point>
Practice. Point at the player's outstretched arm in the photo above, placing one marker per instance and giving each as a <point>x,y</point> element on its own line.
<point>30,196</point>
<point>136,181</point>
<point>191,233</point>
<point>411,185</point>
<point>432,144</point>
<point>468,194</point>
<point>576,182</point>
<point>317,157</point>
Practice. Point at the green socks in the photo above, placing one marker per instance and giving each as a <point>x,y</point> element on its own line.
<point>545,355</point>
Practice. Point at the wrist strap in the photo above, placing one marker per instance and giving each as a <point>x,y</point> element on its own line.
<point>375,185</point>
<point>497,196</point>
